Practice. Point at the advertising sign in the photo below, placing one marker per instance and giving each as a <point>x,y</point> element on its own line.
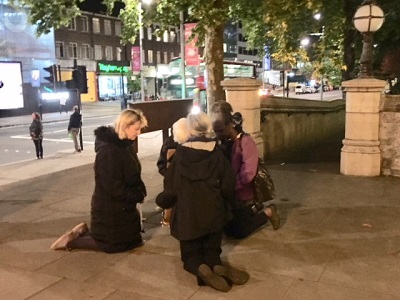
<point>135,58</point>
<point>11,95</point>
<point>191,50</point>
<point>35,78</point>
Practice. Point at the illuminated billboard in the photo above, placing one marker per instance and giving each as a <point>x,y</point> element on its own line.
<point>11,96</point>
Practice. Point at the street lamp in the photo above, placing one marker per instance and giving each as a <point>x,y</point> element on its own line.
<point>142,56</point>
<point>289,75</point>
<point>367,19</point>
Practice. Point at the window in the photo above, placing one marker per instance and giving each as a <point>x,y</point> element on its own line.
<point>117,28</point>
<point>96,25</point>
<point>118,52</point>
<point>150,56</point>
<point>109,53</point>
<point>98,52</point>
<point>149,33</point>
<point>166,36</point>
<point>86,51</point>
<point>166,57</point>
<point>72,24</point>
<point>60,49</point>
<point>85,24</point>
<point>172,35</point>
<point>73,50</point>
<point>158,39</point>
<point>107,27</point>
<point>158,57</point>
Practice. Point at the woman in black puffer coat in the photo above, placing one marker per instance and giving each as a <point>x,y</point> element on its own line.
<point>115,220</point>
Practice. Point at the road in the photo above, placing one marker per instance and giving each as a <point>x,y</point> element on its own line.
<point>16,144</point>
<point>326,96</point>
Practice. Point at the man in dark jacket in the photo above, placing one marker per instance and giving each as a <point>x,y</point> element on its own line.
<point>75,123</point>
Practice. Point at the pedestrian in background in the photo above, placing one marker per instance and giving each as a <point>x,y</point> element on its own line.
<point>198,186</point>
<point>74,125</point>
<point>36,133</point>
<point>63,105</point>
<point>115,220</point>
<point>241,150</point>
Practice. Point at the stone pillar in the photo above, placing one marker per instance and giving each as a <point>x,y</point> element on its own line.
<point>243,95</point>
<point>360,153</point>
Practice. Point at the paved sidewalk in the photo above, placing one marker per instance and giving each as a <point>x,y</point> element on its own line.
<point>339,237</point>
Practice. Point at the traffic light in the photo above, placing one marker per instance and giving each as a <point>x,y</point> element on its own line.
<point>80,79</point>
<point>52,78</point>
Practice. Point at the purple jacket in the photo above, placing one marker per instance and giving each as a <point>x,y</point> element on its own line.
<point>244,162</point>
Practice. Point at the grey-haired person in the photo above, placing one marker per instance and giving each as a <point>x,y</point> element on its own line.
<point>198,186</point>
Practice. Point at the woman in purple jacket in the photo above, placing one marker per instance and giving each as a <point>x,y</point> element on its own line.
<point>241,150</point>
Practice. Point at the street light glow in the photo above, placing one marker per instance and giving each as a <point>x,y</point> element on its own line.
<point>317,16</point>
<point>304,42</point>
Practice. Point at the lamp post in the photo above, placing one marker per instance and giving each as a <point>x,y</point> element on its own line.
<point>367,20</point>
<point>289,75</point>
<point>141,47</point>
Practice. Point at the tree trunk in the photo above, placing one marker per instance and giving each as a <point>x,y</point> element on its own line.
<point>214,60</point>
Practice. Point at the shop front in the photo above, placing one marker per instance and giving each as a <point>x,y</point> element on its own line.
<point>112,80</point>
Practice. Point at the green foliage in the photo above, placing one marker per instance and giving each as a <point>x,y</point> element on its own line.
<point>278,24</point>
<point>134,85</point>
<point>49,14</point>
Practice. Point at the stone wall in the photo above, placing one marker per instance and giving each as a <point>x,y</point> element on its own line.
<point>389,134</point>
<point>289,125</point>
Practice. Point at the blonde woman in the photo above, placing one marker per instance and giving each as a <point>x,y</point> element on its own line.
<point>115,220</point>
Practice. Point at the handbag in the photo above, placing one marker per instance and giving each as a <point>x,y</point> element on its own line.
<point>264,188</point>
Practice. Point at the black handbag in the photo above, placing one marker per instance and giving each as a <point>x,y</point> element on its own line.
<point>264,188</point>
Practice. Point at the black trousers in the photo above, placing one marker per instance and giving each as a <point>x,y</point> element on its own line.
<point>244,222</point>
<point>203,250</point>
<point>38,147</point>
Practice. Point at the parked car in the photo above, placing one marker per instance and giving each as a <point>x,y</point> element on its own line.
<point>300,89</point>
<point>310,89</point>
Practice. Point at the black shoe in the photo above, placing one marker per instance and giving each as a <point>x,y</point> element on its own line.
<point>213,280</point>
<point>233,275</point>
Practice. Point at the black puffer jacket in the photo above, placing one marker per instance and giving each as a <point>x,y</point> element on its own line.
<point>75,120</point>
<point>201,180</point>
<point>115,221</point>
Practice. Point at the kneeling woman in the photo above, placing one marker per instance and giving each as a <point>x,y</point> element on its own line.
<point>115,220</point>
<point>199,185</point>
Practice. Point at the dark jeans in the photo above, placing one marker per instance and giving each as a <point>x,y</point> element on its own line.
<point>245,222</point>
<point>87,242</point>
<point>203,250</point>
<point>38,147</point>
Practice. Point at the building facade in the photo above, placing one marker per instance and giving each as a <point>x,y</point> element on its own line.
<point>93,40</point>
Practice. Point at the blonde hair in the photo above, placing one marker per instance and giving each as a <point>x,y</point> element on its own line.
<point>199,125</point>
<point>180,131</point>
<point>127,118</point>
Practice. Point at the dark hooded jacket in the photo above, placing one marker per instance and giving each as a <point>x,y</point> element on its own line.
<point>200,182</point>
<point>115,221</point>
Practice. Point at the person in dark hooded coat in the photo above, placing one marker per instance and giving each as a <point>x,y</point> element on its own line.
<point>115,220</point>
<point>199,186</point>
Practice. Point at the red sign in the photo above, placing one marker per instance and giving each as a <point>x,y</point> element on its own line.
<point>135,57</point>
<point>191,50</point>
